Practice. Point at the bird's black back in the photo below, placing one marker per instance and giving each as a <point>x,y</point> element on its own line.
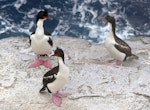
<point>49,77</point>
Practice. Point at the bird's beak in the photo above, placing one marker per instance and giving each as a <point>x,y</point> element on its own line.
<point>50,18</point>
<point>51,54</point>
<point>103,19</point>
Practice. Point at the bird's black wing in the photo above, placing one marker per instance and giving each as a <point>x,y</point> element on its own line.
<point>47,33</point>
<point>49,77</point>
<point>49,40</point>
<point>33,33</point>
<point>123,47</point>
<point>30,38</point>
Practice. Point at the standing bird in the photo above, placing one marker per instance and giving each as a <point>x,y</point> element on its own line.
<point>41,41</point>
<point>119,49</point>
<point>56,78</point>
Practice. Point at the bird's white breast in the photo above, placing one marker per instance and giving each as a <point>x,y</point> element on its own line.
<point>61,79</point>
<point>109,44</point>
<point>40,46</point>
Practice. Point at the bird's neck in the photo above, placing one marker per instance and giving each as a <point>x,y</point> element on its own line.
<point>112,29</point>
<point>40,30</point>
<point>62,65</point>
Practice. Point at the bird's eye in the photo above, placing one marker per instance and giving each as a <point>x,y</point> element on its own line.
<point>44,17</point>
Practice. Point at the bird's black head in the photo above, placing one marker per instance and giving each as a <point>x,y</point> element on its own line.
<point>42,15</point>
<point>109,19</point>
<point>59,53</point>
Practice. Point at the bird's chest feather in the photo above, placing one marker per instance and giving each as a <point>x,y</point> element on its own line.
<point>63,74</point>
<point>110,41</point>
<point>40,46</point>
<point>61,79</point>
<point>109,44</point>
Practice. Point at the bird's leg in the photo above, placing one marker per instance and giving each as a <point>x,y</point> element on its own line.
<point>119,63</point>
<point>42,61</point>
<point>62,95</point>
<point>57,100</point>
<point>37,62</point>
<point>42,89</point>
<point>116,63</point>
<point>47,63</point>
<point>57,97</point>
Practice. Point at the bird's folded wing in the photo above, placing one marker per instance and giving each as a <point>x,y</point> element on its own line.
<point>123,48</point>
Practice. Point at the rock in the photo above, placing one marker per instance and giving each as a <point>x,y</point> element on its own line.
<point>92,84</point>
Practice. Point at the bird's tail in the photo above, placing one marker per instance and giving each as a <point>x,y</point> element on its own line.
<point>134,56</point>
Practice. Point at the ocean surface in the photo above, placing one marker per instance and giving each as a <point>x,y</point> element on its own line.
<point>76,18</point>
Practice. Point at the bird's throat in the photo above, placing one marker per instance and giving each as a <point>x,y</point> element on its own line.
<point>39,30</point>
<point>112,30</point>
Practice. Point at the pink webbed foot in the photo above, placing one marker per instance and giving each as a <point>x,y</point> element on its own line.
<point>119,63</point>
<point>57,98</point>
<point>47,63</point>
<point>37,63</point>
<point>116,63</point>
<point>62,95</point>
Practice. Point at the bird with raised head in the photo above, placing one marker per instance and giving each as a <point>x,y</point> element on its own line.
<point>56,78</point>
<point>118,48</point>
<point>41,41</point>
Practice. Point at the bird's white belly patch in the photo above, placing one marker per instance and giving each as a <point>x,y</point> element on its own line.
<point>109,44</point>
<point>40,46</point>
<point>57,84</point>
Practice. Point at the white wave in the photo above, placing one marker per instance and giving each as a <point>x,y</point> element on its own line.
<point>94,13</point>
<point>103,1</point>
<point>31,13</point>
<point>48,6</point>
<point>95,31</point>
<point>60,29</point>
<point>83,8</point>
<point>82,15</point>
<point>74,9</point>
<point>19,3</point>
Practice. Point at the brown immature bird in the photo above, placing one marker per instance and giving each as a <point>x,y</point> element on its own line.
<point>119,49</point>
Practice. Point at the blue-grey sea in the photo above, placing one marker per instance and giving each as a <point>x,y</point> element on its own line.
<point>76,18</point>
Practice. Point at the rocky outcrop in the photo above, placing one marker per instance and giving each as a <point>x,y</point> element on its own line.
<point>93,84</point>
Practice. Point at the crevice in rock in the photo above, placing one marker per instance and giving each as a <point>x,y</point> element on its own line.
<point>86,96</point>
<point>144,42</point>
<point>12,85</point>
<point>144,95</point>
<point>129,78</point>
